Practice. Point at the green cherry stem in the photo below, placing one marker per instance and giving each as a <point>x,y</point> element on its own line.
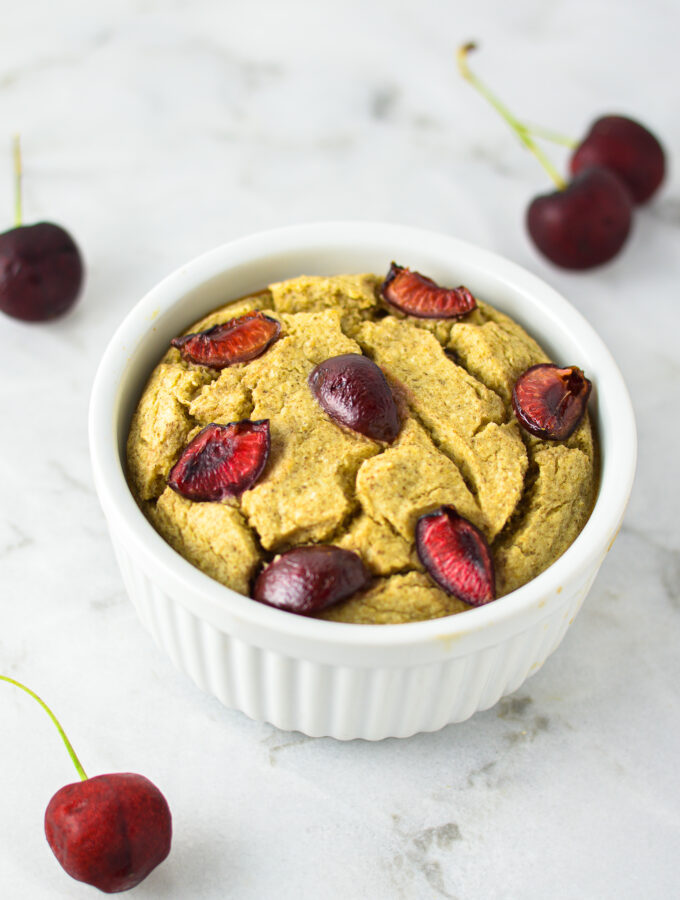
<point>520,130</point>
<point>16,153</point>
<point>549,135</point>
<point>67,743</point>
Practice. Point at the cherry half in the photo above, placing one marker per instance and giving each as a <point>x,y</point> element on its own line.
<point>418,295</point>
<point>41,268</point>
<point>306,580</point>
<point>582,224</point>
<point>627,149</point>
<point>550,402</point>
<point>221,461</point>
<point>236,341</point>
<point>353,390</point>
<point>456,555</point>
<point>109,831</point>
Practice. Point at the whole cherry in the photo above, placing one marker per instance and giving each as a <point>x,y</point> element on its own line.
<point>41,268</point>
<point>109,831</point>
<point>585,222</point>
<point>627,149</point>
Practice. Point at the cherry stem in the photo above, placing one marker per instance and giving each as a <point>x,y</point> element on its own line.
<point>548,135</point>
<point>520,130</point>
<point>16,153</point>
<point>67,743</point>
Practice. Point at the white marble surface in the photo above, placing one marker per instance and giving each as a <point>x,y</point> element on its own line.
<point>156,129</point>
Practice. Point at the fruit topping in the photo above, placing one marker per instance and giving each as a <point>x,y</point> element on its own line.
<point>355,393</point>
<point>417,295</point>
<point>308,579</point>
<point>627,149</point>
<point>550,402</point>
<point>585,224</point>
<point>222,461</point>
<point>456,555</point>
<point>236,341</point>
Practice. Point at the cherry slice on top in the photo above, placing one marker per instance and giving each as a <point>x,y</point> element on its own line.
<point>354,392</point>
<point>456,556</point>
<point>306,580</point>
<point>237,341</point>
<point>221,461</point>
<point>420,296</point>
<point>550,402</point>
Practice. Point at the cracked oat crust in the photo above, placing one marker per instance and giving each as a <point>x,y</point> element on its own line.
<point>459,444</point>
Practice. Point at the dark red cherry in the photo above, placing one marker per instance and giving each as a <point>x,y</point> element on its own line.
<point>236,341</point>
<point>550,402</point>
<point>456,555</point>
<point>308,579</point>
<point>109,831</point>
<point>354,392</point>
<point>41,272</point>
<point>417,295</point>
<point>584,225</point>
<point>627,149</point>
<point>222,461</point>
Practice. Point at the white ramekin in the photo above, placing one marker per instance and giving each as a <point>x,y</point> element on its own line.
<point>327,678</point>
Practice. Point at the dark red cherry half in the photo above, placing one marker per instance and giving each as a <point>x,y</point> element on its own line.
<point>417,295</point>
<point>236,341</point>
<point>354,392</point>
<point>222,461</point>
<point>584,225</point>
<point>626,148</point>
<point>41,272</point>
<point>456,555</point>
<point>308,579</point>
<point>550,402</point>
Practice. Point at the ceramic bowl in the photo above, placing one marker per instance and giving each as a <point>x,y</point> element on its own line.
<point>328,678</point>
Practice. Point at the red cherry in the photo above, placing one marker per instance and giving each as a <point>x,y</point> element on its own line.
<point>584,225</point>
<point>306,580</point>
<point>352,389</point>
<point>221,461</point>
<point>238,340</point>
<point>418,295</point>
<point>456,555</point>
<point>627,149</point>
<point>550,402</point>
<point>41,272</point>
<point>41,269</point>
<point>109,831</point>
